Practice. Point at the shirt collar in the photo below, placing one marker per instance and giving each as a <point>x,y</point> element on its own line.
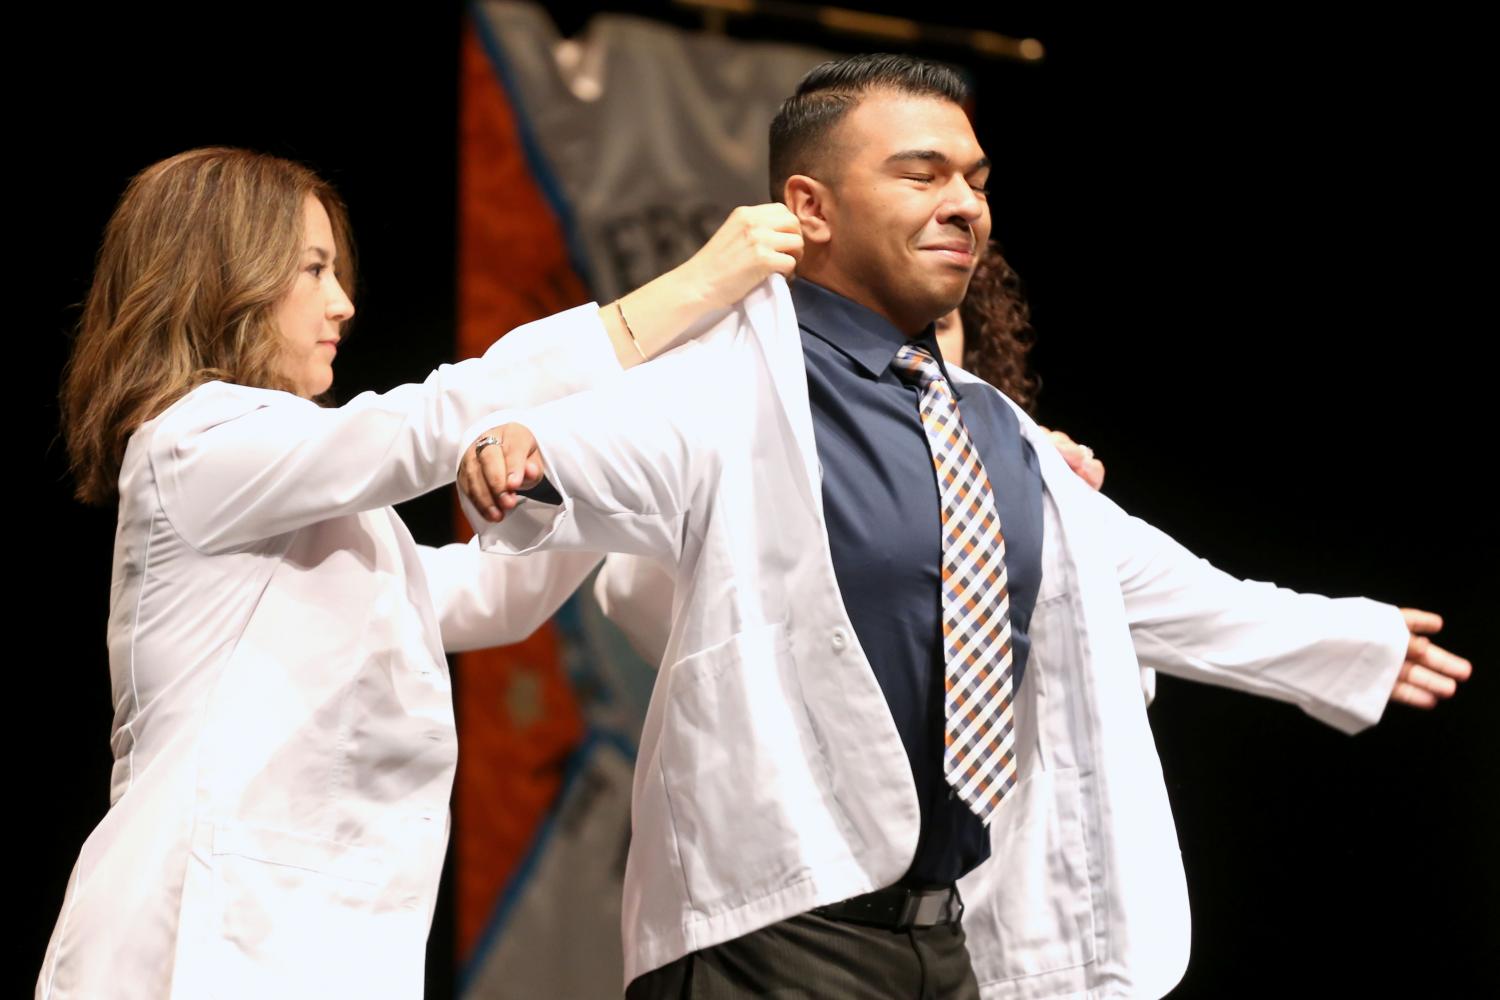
<point>858,332</point>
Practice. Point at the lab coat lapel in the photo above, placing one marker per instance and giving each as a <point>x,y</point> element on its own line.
<point>773,327</point>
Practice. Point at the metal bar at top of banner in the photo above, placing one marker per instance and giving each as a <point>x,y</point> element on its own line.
<point>843,21</point>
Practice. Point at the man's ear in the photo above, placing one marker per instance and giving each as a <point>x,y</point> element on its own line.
<point>809,201</point>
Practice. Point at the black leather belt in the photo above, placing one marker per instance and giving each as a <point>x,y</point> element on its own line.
<point>899,908</point>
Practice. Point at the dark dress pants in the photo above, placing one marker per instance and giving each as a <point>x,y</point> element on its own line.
<point>813,957</point>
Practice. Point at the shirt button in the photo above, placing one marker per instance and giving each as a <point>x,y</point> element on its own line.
<point>839,640</point>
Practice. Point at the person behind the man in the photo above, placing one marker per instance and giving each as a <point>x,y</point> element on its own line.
<point>905,638</point>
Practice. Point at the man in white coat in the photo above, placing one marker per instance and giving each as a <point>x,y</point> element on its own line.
<point>905,640</point>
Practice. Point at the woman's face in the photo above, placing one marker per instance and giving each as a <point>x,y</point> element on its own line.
<point>313,311</point>
<point>950,338</point>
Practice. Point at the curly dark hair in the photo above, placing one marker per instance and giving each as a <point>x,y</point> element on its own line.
<point>997,329</point>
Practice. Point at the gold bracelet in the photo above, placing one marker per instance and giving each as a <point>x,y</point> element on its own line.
<point>620,308</point>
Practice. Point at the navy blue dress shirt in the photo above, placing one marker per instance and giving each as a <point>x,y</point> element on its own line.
<point>880,499</point>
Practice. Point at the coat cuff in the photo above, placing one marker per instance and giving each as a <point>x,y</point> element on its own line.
<point>1361,698</point>
<point>528,526</point>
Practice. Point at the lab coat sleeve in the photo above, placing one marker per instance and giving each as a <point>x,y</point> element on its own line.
<point>629,463</point>
<point>235,465</point>
<point>1336,658</point>
<point>637,595</point>
<point>485,601</point>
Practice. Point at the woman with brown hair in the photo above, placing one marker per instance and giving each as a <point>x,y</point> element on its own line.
<point>283,739</point>
<point>990,335</point>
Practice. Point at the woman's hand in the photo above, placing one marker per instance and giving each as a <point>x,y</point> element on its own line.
<point>754,243</point>
<point>501,461</point>
<point>1080,458</point>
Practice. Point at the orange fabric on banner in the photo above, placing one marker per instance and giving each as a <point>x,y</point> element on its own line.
<point>517,716</point>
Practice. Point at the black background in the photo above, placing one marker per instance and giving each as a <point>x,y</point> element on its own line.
<point>1256,244</point>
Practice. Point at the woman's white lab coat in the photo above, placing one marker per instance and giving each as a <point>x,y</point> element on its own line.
<point>284,742</point>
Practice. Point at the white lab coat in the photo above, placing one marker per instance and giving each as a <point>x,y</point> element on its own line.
<point>284,740</point>
<point>771,778</point>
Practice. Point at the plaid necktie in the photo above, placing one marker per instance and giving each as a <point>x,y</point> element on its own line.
<point>979,755</point>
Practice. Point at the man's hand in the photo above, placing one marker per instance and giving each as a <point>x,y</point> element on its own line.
<point>1080,458</point>
<point>1430,671</point>
<point>503,460</point>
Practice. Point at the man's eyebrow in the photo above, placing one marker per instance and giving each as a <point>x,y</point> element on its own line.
<point>934,156</point>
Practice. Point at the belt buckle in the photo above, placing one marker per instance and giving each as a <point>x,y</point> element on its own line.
<point>911,908</point>
<point>928,909</point>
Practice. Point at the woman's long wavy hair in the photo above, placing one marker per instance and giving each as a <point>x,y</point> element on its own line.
<point>997,329</point>
<point>199,252</point>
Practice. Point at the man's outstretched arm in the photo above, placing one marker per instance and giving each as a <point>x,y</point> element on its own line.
<point>1342,660</point>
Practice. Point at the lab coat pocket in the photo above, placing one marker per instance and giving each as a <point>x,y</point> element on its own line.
<point>289,903</point>
<point>1032,898</point>
<point>747,793</point>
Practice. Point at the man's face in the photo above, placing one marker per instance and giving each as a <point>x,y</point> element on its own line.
<point>907,215</point>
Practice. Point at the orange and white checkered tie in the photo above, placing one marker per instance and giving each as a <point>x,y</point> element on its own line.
<point>979,755</point>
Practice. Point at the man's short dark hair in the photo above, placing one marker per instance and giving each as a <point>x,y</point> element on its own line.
<point>802,130</point>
